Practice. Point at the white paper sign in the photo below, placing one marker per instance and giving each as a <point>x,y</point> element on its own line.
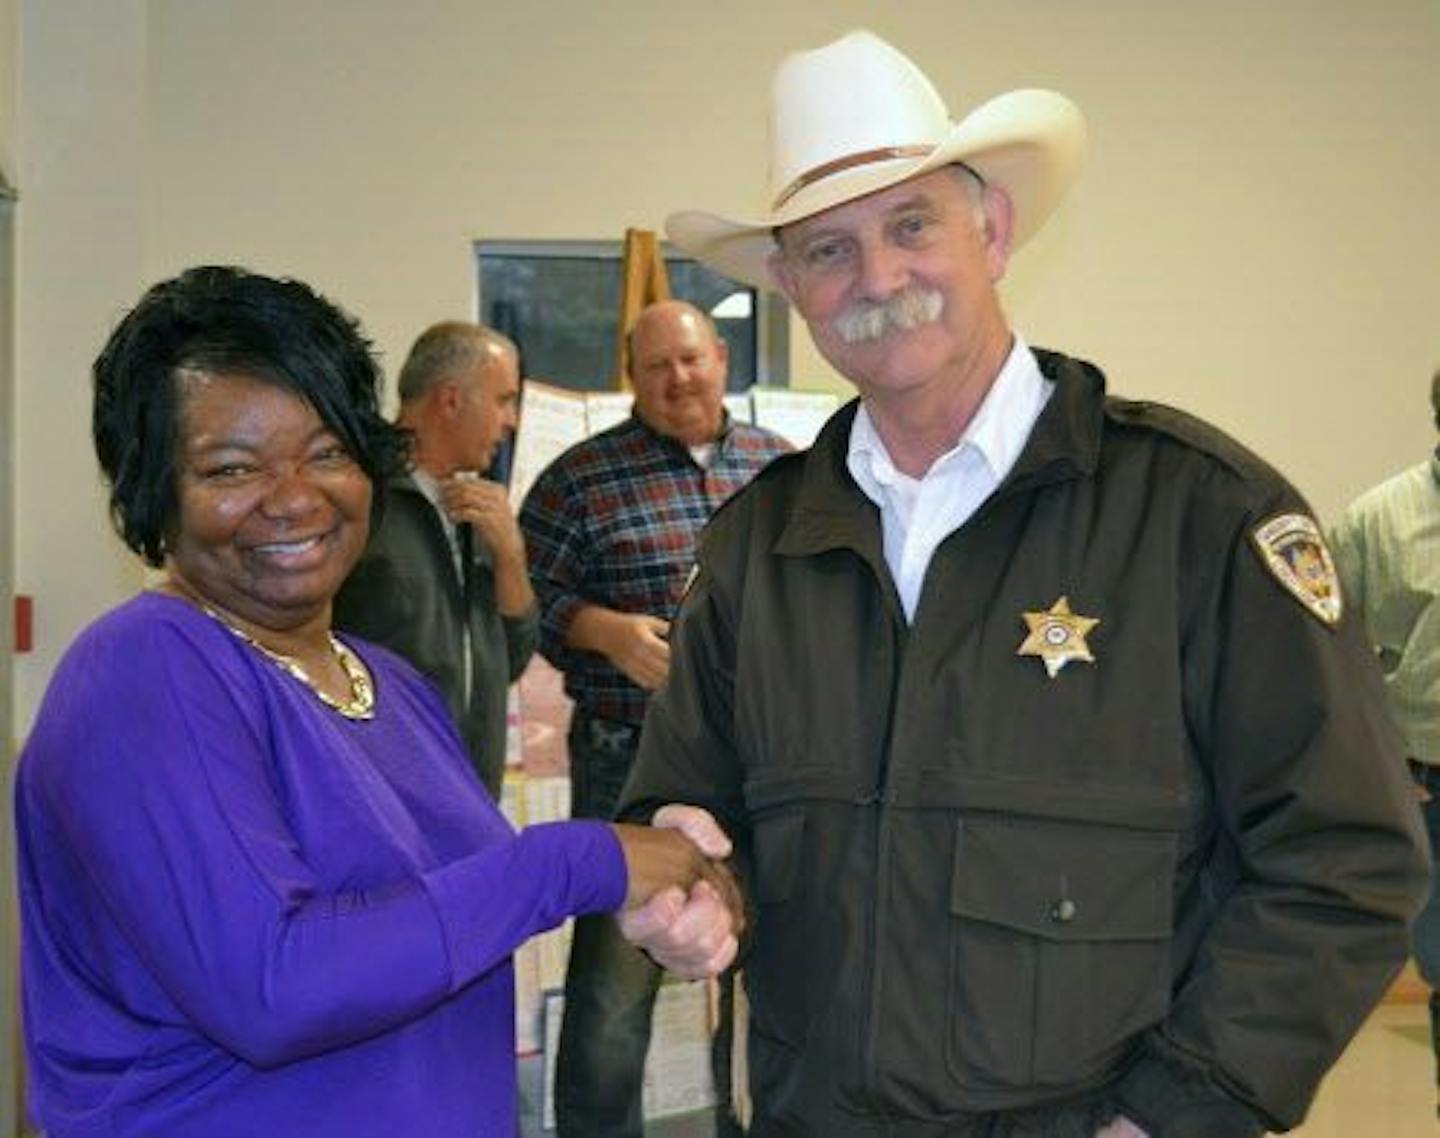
<point>795,416</point>
<point>551,421</point>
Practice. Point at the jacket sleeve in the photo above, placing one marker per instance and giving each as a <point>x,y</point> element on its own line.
<point>688,753</point>
<point>1316,866</point>
<point>522,635</point>
<point>159,786</point>
<point>687,746</point>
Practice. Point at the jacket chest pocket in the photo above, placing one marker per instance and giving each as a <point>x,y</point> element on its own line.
<point>1059,946</point>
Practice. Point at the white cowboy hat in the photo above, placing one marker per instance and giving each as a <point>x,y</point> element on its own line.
<point>856,116</point>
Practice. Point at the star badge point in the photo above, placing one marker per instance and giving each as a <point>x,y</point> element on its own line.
<point>1057,636</point>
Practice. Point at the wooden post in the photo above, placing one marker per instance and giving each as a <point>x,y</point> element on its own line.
<point>643,280</point>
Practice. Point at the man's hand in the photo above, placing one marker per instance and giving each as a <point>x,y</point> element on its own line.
<point>640,650</point>
<point>696,824</point>
<point>634,642</point>
<point>694,935</point>
<point>486,506</point>
<point>1121,1127</point>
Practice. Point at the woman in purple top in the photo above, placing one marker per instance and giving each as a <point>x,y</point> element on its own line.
<point>262,891</point>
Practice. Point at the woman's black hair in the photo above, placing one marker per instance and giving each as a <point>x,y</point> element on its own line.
<point>227,321</point>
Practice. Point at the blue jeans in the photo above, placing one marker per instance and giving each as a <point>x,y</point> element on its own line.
<point>610,985</point>
<point>1425,932</point>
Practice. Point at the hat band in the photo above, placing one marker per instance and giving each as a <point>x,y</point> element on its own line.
<point>864,158</point>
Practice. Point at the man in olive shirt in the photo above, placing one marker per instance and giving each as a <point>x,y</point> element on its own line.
<point>1387,549</point>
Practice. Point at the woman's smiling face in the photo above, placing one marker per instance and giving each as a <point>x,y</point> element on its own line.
<point>273,510</point>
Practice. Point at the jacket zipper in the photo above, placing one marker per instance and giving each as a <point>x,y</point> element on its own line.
<point>878,801</point>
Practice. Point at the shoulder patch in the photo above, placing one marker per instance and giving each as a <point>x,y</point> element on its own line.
<point>1292,548</point>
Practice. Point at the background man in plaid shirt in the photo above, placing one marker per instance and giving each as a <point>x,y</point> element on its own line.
<point>610,529</point>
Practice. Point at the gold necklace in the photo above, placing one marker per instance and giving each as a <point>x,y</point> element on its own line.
<point>360,705</point>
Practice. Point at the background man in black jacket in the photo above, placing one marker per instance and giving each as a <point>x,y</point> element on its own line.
<point>443,581</point>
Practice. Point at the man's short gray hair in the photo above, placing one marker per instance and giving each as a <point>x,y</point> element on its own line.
<point>444,350</point>
<point>971,178</point>
<point>975,185</point>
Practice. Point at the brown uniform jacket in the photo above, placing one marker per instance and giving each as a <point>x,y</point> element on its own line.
<point>1171,880</point>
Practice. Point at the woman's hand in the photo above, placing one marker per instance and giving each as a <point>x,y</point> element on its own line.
<point>661,858</point>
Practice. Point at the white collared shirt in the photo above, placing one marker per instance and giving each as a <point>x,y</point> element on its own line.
<point>917,514</point>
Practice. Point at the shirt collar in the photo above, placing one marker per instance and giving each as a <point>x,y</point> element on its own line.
<point>997,430</point>
<point>720,443</point>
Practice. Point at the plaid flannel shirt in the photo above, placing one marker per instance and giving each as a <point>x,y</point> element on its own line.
<point>613,521</point>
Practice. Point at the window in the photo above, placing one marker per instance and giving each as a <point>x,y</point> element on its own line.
<point>558,300</point>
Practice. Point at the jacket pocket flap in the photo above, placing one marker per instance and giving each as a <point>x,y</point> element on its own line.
<point>1063,880</point>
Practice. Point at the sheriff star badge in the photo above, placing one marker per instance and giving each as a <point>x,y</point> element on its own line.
<point>1057,636</point>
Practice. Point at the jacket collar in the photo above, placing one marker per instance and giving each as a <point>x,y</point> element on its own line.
<point>832,512</point>
<point>405,483</point>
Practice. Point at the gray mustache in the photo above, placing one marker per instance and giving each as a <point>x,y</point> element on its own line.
<point>868,320</point>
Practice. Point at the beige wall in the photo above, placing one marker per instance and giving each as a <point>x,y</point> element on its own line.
<point>81,255</point>
<point>9,1042</point>
<point>79,144</point>
<point>9,86</point>
<point>1255,237</point>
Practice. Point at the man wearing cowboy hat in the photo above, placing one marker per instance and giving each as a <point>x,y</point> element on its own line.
<point>1065,805</point>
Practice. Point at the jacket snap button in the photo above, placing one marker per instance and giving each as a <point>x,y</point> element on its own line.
<point>1063,911</point>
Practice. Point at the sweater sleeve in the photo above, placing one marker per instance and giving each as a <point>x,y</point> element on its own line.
<point>1348,547</point>
<point>152,776</point>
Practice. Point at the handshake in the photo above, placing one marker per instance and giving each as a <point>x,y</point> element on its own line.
<point>682,905</point>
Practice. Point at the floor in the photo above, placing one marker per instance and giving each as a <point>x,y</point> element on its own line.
<point>1383,1086</point>
<point>697,1125</point>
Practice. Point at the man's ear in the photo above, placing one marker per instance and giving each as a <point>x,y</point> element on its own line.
<point>999,229</point>
<point>448,397</point>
